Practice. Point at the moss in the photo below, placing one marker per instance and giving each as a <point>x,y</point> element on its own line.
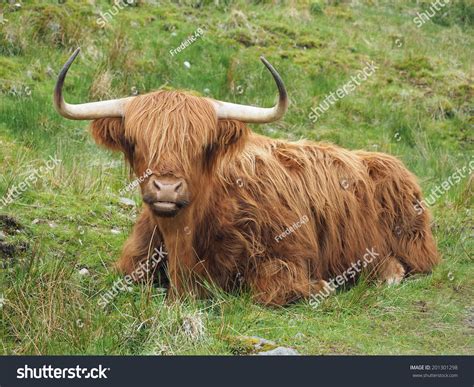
<point>242,36</point>
<point>308,42</point>
<point>8,68</point>
<point>246,345</point>
<point>418,69</point>
<point>279,29</point>
<point>414,64</point>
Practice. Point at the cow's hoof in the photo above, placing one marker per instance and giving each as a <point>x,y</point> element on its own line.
<point>322,286</point>
<point>395,274</point>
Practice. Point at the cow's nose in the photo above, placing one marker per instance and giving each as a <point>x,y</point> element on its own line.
<point>166,195</point>
<point>166,187</point>
<point>170,189</point>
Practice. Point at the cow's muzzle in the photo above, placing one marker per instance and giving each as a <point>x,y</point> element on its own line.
<point>166,196</point>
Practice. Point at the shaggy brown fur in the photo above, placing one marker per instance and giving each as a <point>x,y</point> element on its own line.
<point>246,189</point>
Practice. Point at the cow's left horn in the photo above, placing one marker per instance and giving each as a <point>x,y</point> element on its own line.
<point>85,111</point>
<point>252,114</point>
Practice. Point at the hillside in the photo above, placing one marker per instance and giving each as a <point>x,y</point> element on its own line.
<point>60,236</point>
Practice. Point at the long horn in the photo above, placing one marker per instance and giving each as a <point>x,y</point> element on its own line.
<point>85,111</point>
<point>252,114</point>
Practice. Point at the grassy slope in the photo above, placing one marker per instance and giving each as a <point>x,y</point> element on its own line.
<point>416,106</point>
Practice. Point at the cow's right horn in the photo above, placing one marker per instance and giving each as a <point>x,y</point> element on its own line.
<point>85,111</point>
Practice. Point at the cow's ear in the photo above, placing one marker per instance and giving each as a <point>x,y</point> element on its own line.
<point>231,132</point>
<point>110,133</point>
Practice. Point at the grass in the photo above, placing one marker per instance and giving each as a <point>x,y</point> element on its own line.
<point>418,106</point>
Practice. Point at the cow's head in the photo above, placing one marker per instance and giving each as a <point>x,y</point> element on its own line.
<point>173,134</point>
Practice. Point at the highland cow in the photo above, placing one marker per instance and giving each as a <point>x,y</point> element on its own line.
<point>221,198</point>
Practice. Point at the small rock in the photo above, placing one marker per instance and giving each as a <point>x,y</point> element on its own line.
<point>35,221</point>
<point>260,343</point>
<point>279,351</point>
<point>115,231</point>
<point>84,272</point>
<point>52,224</point>
<point>187,64</point>
<point>193,327</point>
<point>127,202</point>
<point>253,344</point>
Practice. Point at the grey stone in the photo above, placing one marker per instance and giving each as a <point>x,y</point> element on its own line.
<point>279,351</point>
<point>127,202</point>
<point>84,272</point>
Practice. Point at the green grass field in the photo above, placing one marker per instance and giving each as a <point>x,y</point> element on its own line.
<point>418,106</point>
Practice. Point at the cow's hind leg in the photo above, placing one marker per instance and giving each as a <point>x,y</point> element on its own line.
<point>403,219</point>
<point>278,282</point>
